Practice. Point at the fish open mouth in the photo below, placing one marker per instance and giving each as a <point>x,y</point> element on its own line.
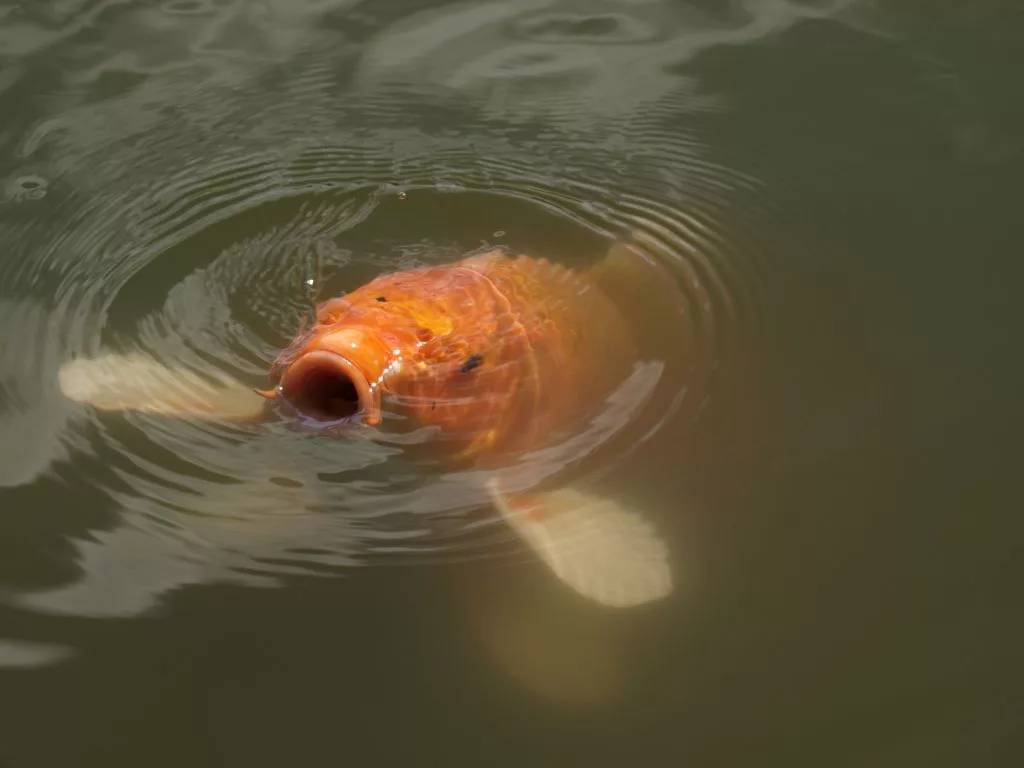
<point>327,387</point>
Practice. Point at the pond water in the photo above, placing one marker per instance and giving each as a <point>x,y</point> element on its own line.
<point>825,440</point>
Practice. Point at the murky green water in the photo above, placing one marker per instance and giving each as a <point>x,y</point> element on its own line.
<point>833,186</point>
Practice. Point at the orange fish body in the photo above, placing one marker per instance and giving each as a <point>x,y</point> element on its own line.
<point>498,354</point>
<point>495,351</point>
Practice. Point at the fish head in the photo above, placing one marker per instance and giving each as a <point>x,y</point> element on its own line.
<point>333,374</point>
<point>382,339</point>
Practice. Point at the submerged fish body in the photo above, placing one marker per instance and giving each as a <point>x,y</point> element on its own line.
<point>496,351</point>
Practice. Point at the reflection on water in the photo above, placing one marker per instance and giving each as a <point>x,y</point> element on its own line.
<point>22,655</point>
<point>207,258</point>
<point>539,58</point>
<point>812,438</point>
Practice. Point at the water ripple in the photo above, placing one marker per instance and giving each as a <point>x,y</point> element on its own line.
<point>201,231</point>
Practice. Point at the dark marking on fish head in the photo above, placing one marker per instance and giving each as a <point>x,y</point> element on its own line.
<point>381,299</point>
<point>473,361</point>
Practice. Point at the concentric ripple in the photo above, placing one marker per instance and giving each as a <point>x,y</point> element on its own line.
<point>204,238</point>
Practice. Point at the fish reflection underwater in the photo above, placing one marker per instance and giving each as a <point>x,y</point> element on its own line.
<point>496,353</point>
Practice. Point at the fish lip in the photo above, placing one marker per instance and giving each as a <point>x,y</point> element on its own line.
<point>369,397</point>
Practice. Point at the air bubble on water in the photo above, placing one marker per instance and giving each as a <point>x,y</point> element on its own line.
<point>499,233</point>
<point>30,187</point>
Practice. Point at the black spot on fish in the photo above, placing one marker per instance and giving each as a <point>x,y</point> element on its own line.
<point>433,405</point>
<point>381,299</point>
<point>473,361</point>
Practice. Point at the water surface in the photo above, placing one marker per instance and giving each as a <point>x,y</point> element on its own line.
<point>832,188</point>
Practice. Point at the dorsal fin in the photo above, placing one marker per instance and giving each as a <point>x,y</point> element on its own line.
<point>639,284</point>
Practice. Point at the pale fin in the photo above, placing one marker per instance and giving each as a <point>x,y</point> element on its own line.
<point>545,640</point>
<point>627,267</point>
<point>139,383</point>
<point>641,284</point>
<point>602,550</point>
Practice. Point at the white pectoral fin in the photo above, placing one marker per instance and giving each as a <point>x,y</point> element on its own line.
<point>602,550</point>
<point>114,382</point>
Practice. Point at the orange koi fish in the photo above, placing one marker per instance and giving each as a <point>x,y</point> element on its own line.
<point>496,352</point>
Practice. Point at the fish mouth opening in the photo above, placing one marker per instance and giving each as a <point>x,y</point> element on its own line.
<point>327,387</point>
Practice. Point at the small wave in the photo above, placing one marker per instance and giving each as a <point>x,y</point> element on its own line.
<point>203,234</point>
